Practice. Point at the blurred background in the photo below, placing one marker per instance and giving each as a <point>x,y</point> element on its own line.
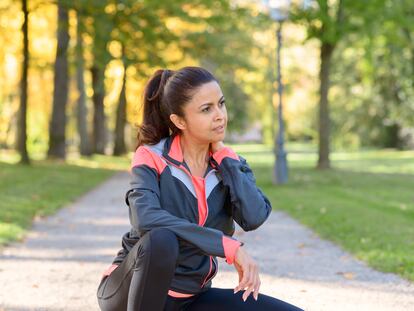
<point>86,63</point>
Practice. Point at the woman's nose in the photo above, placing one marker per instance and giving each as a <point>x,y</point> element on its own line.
<point>219,113</point>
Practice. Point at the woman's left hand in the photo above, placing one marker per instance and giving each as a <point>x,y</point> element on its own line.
<point>248,274</point>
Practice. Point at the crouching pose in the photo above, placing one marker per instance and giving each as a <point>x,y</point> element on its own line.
<point>187,189</point>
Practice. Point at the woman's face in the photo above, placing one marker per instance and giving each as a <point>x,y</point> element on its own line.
<point>205,116</point>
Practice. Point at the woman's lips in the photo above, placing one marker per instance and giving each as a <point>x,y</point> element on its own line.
<point>219,129</point>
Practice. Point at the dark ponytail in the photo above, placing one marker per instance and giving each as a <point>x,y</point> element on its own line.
<point>166,92</point>
<point>154,125</point>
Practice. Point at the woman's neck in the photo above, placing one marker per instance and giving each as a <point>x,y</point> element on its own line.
<point>194,152</point>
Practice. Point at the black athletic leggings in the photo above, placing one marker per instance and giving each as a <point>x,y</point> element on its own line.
<point>142,280</point>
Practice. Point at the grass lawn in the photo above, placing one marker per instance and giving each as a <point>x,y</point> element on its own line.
<point>365,203</point>
<point>38,190</point>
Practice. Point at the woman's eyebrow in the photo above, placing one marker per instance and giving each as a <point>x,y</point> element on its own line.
<point>210,103</point>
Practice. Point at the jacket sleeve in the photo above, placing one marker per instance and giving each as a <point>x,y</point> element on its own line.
<point>146,212</point>
<point>250,207</point>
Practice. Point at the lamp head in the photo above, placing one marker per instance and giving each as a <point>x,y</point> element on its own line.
<point>278,9</point>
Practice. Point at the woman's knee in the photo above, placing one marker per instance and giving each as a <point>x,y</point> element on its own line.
<point>164,243</point>
<point>160,245</point>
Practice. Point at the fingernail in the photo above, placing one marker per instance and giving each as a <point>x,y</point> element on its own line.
<point>244,299</point>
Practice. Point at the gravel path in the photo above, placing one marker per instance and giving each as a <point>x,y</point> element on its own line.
<point>59,264</point>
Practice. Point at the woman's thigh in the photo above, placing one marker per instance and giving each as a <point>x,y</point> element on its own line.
<point>113,289</point>
<point>224,299</point>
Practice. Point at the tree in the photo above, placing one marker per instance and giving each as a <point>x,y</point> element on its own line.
<point>140,29</point>
<point>373,81</point>
<point>119,146</point>
<point>329,22</point>
<point>82,112</point>
<point>22,124</point>
<point>102,27</point>
<point>57,141</point>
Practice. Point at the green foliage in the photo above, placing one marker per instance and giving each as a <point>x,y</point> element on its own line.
<point>330,21</point>
<point>373,78</point>
<point>372,68</point>
<point>207,31</point>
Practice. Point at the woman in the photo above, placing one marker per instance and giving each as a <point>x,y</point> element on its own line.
<point>186,190</point>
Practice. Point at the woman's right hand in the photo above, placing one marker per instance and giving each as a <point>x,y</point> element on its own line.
<point>248,274</point>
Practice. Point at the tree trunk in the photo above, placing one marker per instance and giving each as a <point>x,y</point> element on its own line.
<point>324,120</point>
<point>119,147</point>
<point>57,126</point>
<point>22,117</point>
<point>99,128</point>
<point>82,112</point>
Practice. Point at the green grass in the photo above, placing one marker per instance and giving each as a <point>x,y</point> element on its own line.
<point>365,203</point>
<point>38,190</point>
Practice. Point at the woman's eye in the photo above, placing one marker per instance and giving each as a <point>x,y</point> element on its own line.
<point>208,108</point>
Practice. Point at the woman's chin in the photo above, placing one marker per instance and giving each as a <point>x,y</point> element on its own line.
<point>218,137</point>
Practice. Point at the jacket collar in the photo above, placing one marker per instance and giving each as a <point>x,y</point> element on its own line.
<point>172,150</point>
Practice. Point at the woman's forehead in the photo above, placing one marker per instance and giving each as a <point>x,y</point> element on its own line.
<point>207,92</point>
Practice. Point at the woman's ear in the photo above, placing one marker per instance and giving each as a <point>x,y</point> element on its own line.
<point>178,121</point>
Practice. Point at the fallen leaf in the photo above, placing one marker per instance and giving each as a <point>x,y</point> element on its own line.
<point>347,275</point>
<point>301,245</point>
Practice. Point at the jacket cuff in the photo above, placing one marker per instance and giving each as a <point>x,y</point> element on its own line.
<point>230,248</point>
<point>219,155</point>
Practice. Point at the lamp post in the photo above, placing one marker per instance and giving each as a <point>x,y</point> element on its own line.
<point>279,10</point>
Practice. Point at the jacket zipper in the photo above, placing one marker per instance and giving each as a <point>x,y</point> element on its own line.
<point>209,277</point>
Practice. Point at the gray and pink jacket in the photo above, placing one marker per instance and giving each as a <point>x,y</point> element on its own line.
<point>200,210</point>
